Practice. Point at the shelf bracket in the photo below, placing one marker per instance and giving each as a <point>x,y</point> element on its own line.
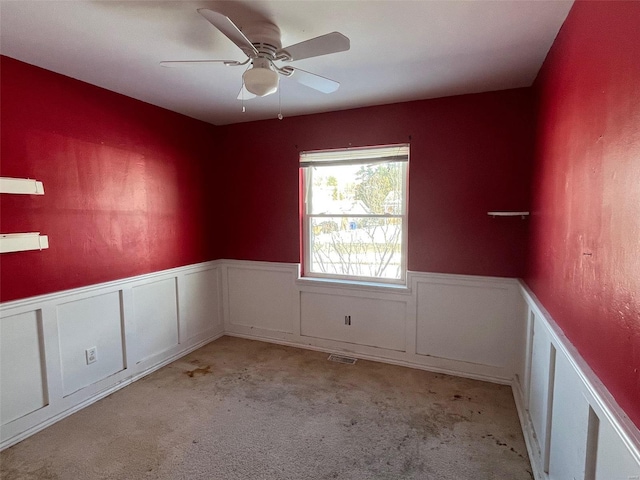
<point>501,213</point>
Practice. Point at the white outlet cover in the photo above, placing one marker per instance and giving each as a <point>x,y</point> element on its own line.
<point>91,354</point>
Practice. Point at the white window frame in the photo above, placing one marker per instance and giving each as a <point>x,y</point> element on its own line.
<point>353,156</point>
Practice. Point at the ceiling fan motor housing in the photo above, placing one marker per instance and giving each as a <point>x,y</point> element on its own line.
<point>266,34</point>
<point>261,79</point>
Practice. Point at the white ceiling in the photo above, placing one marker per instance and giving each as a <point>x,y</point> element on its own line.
<point>400,50</point>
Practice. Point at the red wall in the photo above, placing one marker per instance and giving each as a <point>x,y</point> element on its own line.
<point>469,154</point>
<point>132,188</point>
<point>124,183</point>
<point>585,242</point>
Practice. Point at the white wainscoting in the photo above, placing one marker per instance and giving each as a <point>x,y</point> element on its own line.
<point>137,325</point>
<point>486,328</point>
<point>573,427</point>
<point>457,324</point>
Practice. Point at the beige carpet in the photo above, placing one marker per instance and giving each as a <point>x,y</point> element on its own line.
<point>239,409</point>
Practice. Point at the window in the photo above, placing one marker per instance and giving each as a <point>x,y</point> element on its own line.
<point>355,213</point>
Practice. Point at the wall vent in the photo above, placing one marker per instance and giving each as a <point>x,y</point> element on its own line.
<point>342,359</point>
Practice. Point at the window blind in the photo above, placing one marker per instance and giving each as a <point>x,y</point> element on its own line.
<point>389,153</point>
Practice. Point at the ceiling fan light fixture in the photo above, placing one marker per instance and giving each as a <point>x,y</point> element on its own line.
<point>260,79</point>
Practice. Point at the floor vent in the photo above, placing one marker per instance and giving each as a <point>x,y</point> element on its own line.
<point>342,359</point>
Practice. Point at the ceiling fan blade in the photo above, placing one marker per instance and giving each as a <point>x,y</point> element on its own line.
<point>230,30</point>
<point>245,94</point>
<point>191,63</point>
<point>330,43</point>
<point>322,84</point>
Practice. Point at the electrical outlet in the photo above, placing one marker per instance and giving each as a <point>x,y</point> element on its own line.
<point>92,355</point>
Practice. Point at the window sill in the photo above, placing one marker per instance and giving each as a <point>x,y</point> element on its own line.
<point>352,284</point>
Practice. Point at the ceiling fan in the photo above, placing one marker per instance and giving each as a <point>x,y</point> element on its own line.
<point>262,46</point>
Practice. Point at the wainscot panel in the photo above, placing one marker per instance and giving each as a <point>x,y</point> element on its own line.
<point>260,296</point>
<point>199,294</point>
<point>354,319</point>
<point>540,388</point>
<point>569,424</point>
<point>21,360</point>
<point>461,318</point>
<point>94,322</point>
<point>156,317</point>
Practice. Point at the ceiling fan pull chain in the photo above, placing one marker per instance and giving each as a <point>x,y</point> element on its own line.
<point>242,94</point>
<point>280,103</point>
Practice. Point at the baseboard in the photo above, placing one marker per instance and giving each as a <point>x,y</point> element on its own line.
<point>527,432</point>
<point>349,350</point>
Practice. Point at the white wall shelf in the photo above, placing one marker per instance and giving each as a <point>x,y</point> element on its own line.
<point>24,186</point>
<point>21,242</point>
<point>502,213</point>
